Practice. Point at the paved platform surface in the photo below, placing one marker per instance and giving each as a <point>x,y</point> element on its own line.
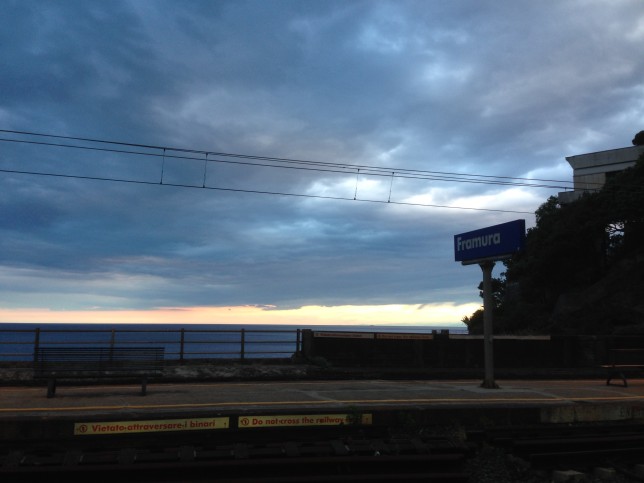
<point>555,399</point>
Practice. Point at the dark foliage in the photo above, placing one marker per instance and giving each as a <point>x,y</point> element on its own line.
<point>582,270</point>
<point>638,140</point>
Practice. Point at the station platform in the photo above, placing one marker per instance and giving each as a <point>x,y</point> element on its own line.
<point>98,409</point>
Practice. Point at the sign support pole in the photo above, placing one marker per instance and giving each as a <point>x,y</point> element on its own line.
<point>488,330</point>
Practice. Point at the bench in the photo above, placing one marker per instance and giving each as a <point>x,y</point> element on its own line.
<point>54,363</point>
<point>623,361</point>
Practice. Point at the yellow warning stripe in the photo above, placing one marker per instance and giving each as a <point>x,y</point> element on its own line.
<point>320,403</point>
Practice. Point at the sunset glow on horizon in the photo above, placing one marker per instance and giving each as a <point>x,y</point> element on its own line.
<point>394,314</point>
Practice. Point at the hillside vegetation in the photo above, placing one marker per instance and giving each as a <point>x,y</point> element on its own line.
<point>583,268</point>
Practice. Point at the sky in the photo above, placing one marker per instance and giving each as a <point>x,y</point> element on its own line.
<point>290,161</point>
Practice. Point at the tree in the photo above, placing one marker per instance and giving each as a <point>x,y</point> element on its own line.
<point>563,250</point>
<point>622,200</point>
<point>574,250</point>
<point>474,323</point>
<point>583,267</point>
<point>638,140</point>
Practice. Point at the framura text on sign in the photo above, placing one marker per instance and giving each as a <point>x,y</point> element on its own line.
<point>493,242</point>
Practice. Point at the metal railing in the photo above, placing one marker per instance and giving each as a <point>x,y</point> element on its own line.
<point>179,344</point>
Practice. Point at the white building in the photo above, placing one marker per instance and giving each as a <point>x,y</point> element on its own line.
<point>590,171</point>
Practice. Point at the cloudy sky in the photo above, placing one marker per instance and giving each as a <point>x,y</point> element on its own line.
<point>390,127</point>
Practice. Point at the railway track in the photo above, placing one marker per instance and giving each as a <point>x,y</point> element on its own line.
<point>580,447</point>
<point>334,460</point>
<point>338,455</point>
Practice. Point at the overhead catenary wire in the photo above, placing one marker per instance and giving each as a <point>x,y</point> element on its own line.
<point>332,167</point>
<point>240,190</point>
<point>324,166</point>
<point>207,157</point>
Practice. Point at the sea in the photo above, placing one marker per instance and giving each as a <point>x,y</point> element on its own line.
<point>18,341</point>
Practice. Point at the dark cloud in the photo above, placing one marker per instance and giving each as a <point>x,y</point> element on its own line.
<point>505,89</point>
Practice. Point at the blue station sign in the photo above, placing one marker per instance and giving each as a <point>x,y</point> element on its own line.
<point>494,242</point>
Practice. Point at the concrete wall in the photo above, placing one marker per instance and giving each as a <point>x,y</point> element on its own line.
<point>372,349</point>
